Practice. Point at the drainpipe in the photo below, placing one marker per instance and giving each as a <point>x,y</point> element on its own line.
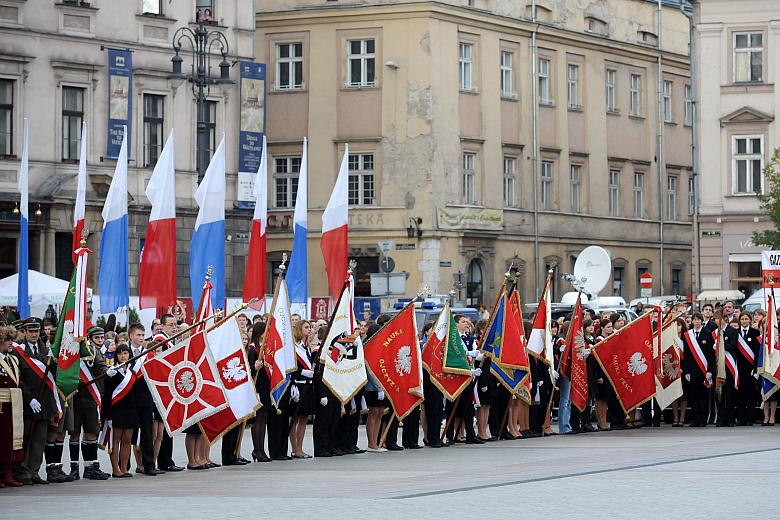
<point>535,146</point>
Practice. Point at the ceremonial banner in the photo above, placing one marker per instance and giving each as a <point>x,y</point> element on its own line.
<point>393,357</point>
<point>227,349</point>
<point>770,268</point>
<point>668,373</point>
<point>512,353</point>
<point>573,362</point>
<point>79,210</point>
<point>491,342</point>
<point>769,368</point>
<point>540,340</point>
<point>120,100</point>
<point>67,348</point>
<point>768,387</point>
<point>278,344</point>
<point>624,356</point>
<point>184,384</point>
<point>516,381</point>
<point>450,384</point>
<point>344,370</point>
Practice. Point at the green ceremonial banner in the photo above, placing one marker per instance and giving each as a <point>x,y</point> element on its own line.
<point>455,359</point>
<point>66,348</point>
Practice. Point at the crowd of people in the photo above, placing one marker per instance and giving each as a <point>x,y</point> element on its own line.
<point>35,422</point>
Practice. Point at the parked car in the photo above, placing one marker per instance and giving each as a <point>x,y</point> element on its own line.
<point>663,301</point>
<point>426,311</point>
<point>758,300</point>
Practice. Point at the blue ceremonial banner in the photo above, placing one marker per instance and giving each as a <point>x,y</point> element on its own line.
<point>120,100</point>
<point>250,136</point>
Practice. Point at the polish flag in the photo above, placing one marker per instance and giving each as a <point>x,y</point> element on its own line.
<point>157,277</point>
<point>540,340</point>
<point>81,194</point>
<point>335,224</point>
<point>254,278</point>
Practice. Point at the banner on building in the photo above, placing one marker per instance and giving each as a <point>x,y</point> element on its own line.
<point>770,268</point>
<point>250,136</point>
<point>120,100</point>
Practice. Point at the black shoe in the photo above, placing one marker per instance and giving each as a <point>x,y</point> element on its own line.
<point>152,472</point>
<point>474,441</point>
<point>235,462</point>
<point>173,469</point>
<point>413,447</point>
<point>55,475</point>
<point>202,466</point>
<point>281,458</point>
<point>436,445</point>
<point>589,428</point>
<point>74,471</point>
<point>96,473</point>
<point>38,480</point>
<point>337,452</point>
<point>393,447</point>
<point>322,453</point>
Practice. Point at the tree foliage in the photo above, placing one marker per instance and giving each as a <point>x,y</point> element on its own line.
<point>770,204</point>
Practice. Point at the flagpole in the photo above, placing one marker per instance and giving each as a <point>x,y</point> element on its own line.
<point>383,438</point>
<point>498,299</point>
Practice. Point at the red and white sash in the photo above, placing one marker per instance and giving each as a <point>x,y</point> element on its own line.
<point>731,364</point>
<point>85,373</point>
<point>40,369</point>
<point>745,349</point>
<point>124,387</point>
<point>698,355</point>
<point>303,356</point>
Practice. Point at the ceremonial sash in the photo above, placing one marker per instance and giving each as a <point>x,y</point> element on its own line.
<point>303,356</point>
<point>40,369</point>
<point>124,387</point>
<point>731,364</point>
<point>746,350</point>
<point>86,376</point>
<point>698,355</point>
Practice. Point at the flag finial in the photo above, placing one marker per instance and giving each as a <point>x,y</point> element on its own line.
<point>283,265</point>
<point>352,266</point>
<point>209,272</point>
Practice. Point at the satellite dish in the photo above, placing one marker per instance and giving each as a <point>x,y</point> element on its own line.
<point>593,264</point>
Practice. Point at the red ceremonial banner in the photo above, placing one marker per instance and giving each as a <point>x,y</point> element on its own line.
<point>393,357</point>
<point>574,357</point>
<point>513,349</point>
<point>626,357</point>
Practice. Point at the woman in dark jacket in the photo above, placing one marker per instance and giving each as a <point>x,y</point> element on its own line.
<point>263,389</point>
<point>122,412</point>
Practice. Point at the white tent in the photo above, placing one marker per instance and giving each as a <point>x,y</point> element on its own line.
<point>44,290</point>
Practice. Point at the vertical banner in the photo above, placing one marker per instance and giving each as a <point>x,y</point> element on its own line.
<point>120,100</point>
<point>770,268</point>
<point>250,135</point>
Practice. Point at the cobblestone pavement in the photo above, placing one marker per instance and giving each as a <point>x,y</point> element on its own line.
<point>673,472</point>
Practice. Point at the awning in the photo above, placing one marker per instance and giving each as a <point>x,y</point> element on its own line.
<point>745,257</point>
<point>720,295</point>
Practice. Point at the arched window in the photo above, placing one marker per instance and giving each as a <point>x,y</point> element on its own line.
<point>474,284</point>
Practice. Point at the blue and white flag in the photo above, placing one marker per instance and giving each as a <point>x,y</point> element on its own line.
<point>207,247</point>
<point>297,272</point>
<point>23,292</point>
<point>112,276</point>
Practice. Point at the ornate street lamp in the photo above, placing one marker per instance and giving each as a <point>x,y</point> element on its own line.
<point>202,41</point>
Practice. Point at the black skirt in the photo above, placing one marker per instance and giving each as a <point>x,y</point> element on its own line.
<point>372,399</point>
<point>307,401</point>
<point>124,417</point>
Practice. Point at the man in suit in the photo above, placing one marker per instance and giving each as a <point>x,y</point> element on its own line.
<point>745,341</point>
<point>144,451</point>
<point>165,456</point>
<point>699,377</point>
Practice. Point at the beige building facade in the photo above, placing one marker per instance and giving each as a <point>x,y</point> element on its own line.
<point>738,65</point>
<point>435,100</point>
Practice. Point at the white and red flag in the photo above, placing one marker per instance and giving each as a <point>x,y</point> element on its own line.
<point>278,344</point>
<point>157,276</point>
<point>667,351</point>
<point>79,211</point>
<point>255,275</point>
<point>335,223</point>
<point>770,360</point>
<point>540,340</point>
<point>227,348</point>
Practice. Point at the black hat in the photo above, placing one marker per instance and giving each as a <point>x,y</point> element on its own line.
<point>31,324</point>
<point>95,330</point>
<point>19,324</point>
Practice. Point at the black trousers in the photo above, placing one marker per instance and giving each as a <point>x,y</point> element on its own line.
<point>727,409</point>
<point>165,456</point>
<point>498,412</point>
<point>326,424</point>
<point>651,413</point>
<point>229,444</point>
<point>146,439</point>
<point>347,430</point>
<point>699,399</point>
<point>278,425</point>
<point>434,410</point>
<point>464,411</point>
<point>746,397</point>
<point>411,430</point>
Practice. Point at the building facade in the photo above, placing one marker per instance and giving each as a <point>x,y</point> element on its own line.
<point>738,67</point>
<point>54,71</point>
<point>436,102</point>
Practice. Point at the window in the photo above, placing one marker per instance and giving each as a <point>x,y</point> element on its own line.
<point>677,274</point>
<point>211,126</point>
<point>547,185</point>
<point>72,117</point>
<point>361,179</point>
<point>151,7</point>
<point>153,128</point>
<point>469,160</point>
<point>597,26</point>
<point>573,81</point>
<point>688,105</point>
<point>617,280</point>
<point>544,82</point>
<point>614,193</point>
<point>286,171</point>
<point>748,57</point>
<point>6,117</point>
<point>361,62</point>
<point>507,74</point>
<point>667,101</point>
<point>204,11</point>
<point>575,175</point>
<point>466,65</point>
<point>289,66</point>
<point>510,173</point>
<point>611,82</point>
<point>636,94</point>
<point>691,195</point>
<point>748,163</point>
<point>639,194</point>
<point>671,198</point>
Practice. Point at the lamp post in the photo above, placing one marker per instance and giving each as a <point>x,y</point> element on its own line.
<point>202,41</point>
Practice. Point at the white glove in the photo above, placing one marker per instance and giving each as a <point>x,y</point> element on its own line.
<point>541,383</point>
<point>35,405</point>
<point>475,354</point>
<point>756,376</point>
<point>324,401</point>
<point>307,373</point>
<point>688,377</point>
<point>111,372</point>
<point>380,395</point>
<point>295,394</point>
<point>483,389</point>
<point>555,375</point>
<point>709,377</point>
<point>476,372</point>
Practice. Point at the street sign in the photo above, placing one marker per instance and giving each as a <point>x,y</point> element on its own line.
<point>646,281</point>
<point>387,264</point>
<point>385,246</point>
<point>646,292</point>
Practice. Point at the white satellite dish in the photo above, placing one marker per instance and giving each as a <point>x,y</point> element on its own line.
<point>595,266</point>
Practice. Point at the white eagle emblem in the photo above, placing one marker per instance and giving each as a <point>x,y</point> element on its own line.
<point>234,370</point>
<point>185,382</point>
<point>671,366</point>
<point>403,361</point>
<point>68,345</point>
<point>637,365</point>
<point>579,345</point>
